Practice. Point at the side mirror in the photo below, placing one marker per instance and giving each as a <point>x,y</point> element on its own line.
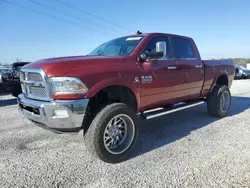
<point>161,46</point>
<point>160,52</point>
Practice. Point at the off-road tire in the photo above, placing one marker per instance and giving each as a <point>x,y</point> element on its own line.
<point>213,101</point>
<point>93,138</point>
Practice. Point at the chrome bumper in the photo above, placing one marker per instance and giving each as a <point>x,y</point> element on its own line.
<point>57,115</point>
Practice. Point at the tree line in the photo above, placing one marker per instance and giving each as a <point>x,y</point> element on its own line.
<point>236,60</point>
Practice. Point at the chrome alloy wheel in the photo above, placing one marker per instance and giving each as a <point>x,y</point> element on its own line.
<point>119,134</point>
<point>225,101</point>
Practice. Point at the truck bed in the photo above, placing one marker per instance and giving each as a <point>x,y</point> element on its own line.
<point>213,69</point>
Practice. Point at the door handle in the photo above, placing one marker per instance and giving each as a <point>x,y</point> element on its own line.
<point>171,67</point>
<point>198,66</point>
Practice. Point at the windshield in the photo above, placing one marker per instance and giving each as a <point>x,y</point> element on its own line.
<point>122,46</point>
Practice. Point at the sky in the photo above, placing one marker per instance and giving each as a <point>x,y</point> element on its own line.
<point>220,28</point>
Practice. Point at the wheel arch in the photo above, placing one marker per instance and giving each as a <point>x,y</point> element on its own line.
<point>222,78</point>
<point>114,83</point>
<point>108,91</point>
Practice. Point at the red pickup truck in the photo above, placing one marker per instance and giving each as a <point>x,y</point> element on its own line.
<point>106,91</point>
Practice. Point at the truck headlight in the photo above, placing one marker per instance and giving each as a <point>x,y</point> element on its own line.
<point>67,85</point>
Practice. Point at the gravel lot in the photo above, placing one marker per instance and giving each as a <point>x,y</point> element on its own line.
<point>185,149</point>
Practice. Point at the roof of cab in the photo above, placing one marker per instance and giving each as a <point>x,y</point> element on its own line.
<point>157,33</point>
<point>168,34</point>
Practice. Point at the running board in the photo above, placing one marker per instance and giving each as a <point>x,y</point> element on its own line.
<point>150,114</point>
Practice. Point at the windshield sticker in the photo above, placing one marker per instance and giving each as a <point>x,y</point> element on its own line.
<point>133,38</point>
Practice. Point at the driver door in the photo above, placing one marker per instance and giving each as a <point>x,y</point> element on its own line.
<point>159,78</point>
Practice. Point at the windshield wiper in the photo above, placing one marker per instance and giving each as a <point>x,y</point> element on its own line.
<point>99,54</point>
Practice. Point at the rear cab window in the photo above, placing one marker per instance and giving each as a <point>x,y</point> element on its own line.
<point>182,48</point>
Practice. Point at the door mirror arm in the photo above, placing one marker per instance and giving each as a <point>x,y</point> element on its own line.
<point>149,56</point>
<point>142,58</point>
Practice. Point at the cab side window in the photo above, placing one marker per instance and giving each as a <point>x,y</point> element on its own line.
<point>151,46</point>
<point>182,48</point>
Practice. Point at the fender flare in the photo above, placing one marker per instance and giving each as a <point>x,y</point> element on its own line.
<point>113,82</point>
<point>220,73</point>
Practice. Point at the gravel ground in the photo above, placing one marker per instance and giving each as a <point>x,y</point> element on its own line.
<point>185,149</point>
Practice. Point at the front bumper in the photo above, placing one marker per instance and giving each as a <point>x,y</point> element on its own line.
<point>57,115</point>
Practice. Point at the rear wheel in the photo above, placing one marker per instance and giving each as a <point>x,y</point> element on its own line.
<point>219,102</point>
<point>113,132</point>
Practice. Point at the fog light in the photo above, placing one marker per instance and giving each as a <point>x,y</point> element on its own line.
<point>60,114</point>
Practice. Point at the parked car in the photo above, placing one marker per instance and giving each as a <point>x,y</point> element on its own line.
<point>11,79</point>
<point>242,73</point>
<point>3,72</point>
<point>105,92</point>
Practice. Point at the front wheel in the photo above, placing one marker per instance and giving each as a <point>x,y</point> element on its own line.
<point>113,132</point>
<point>219,102</point>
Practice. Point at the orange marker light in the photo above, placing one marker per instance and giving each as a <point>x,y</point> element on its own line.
<point>80,87</point>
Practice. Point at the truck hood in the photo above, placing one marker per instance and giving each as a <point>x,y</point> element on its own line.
<point>63,65</point>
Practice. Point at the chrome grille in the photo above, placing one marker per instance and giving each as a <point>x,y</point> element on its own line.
<point>35,77</point>
<point>34,85</point>
<point>38,91</point>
